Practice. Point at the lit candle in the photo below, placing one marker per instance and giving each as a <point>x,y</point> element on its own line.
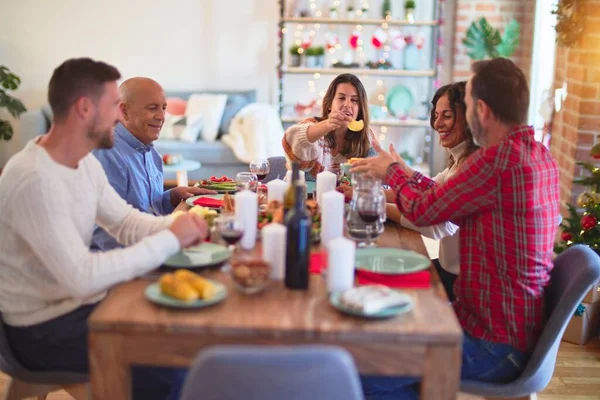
<point>274,243</point>
<point>332,216</point>
<point>325,182</point>
<point>276,190</point>
<point>246,213</point>
<point>340,264</point>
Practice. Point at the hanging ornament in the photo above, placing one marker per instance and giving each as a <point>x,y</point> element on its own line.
<point>354,38</point>
<point>331,40</point>
<point>588,199</point>
<point>420,41</point>
<point>566,236</point>
<point>588,222</point>
<point>396,39</point>
<point>379,38</point>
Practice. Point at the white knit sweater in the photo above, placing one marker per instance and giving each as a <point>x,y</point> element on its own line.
<point>447,233</point>
<point>47,217</point>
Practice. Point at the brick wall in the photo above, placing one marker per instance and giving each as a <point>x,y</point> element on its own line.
<point>576,126</point>
<point>498,13</point>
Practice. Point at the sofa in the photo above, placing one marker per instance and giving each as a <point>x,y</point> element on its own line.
<point>216,158</point>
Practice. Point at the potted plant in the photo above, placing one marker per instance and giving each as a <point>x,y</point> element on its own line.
<point>295,56</point>
<point>320,56</point>
<point>409,10</point>
<point>484,41</point>
<point>387,9</point>
<point>333,13</point>
<point>9,82</point>
<point>313,56</point>
<point>350,14</point>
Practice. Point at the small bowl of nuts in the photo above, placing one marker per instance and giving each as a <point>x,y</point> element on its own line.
<point>250,275</point>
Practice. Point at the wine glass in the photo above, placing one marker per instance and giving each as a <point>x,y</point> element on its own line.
<point>369,208</point>
<point>246,181</point>
<point>230,230</point>
<point>260,167</point>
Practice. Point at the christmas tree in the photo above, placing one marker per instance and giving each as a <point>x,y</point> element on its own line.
<point>583,227</point>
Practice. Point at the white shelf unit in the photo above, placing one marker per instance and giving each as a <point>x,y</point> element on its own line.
<point>414,135</point>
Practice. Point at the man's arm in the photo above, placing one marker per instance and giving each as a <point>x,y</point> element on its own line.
<point>469,191</point>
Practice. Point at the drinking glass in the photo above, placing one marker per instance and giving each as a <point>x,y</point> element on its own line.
<point>260,167</point>
<point>246,181</point>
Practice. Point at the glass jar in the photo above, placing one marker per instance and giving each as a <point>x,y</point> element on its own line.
<point>366,215</point>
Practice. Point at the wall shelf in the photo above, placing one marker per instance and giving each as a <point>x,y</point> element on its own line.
<point>329,21</point>
<point>360,71</point>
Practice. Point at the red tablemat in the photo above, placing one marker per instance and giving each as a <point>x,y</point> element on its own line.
<point>208,202</point>
<point>318,262</point>
<point>416,280</point>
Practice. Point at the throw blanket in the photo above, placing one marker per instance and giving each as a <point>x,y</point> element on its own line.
<point>255,132</point>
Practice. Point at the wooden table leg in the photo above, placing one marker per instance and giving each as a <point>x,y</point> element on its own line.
<point>110,374</point>
<point>441,375</point>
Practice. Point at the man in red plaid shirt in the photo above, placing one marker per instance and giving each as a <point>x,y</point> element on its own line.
<point>505,198</point>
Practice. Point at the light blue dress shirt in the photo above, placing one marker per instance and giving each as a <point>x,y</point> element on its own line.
<point>135,171</point>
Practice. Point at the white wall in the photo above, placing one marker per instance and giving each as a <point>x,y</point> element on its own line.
<point>183,44</point>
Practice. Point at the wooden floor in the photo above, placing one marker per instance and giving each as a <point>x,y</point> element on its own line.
<point>576,376</point>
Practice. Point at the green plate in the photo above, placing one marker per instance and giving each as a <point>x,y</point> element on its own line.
<point>310,187</point>
<point>389,312</point>
<point>399,99</point>
<point>155,295</point>
<point>202,256</point>
<point>190,201</point>
<point>390,261</point>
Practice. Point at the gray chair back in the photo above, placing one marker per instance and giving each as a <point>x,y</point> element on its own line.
<point>273,373</point>
<point>277,169</point>
<point>13,368</point>
<point>575,272</point>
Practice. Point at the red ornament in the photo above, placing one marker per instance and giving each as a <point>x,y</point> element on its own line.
<point>566,236</point>
<point>588,222</point>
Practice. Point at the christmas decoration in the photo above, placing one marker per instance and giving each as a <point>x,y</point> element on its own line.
<point>595,152</point>
<point>570,22</point>
<point>588,222</point>
<point>582,227</point>
<point>354,38</point>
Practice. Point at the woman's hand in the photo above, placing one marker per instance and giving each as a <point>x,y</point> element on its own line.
<point>338,120</point>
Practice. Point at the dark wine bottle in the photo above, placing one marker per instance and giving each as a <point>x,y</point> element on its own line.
<point>298,243</point>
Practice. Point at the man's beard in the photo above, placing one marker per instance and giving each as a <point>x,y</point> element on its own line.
<point>103,137</point>
<point>479,134</point>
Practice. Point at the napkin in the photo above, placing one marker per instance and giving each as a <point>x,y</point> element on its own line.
<point>318,262</point>
<point>208,202</point>
<point>415,280</point>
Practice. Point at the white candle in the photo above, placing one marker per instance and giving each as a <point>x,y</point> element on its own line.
<point>325,182</point>
<point>340,264</point>
<point>332,216</point>
<point>288,177</point>
<point>246,213</point>
<point>274,243</point>
<point>276,190</point>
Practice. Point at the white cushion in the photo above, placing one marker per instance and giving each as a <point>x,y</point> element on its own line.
<point>205,109</point>
<point>169,130</point>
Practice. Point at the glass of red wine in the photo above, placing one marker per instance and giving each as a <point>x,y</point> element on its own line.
<point>370,209</point>
<point>260,167</point>
<point>230,230</point>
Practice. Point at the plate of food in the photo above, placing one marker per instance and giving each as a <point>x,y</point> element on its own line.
<point>371,301</point>
<point>185,289</point>
<point>211,201</point>
<point>220,185</point>
<point>204,255</point>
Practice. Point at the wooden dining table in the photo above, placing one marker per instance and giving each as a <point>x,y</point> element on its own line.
<point>126,329</point>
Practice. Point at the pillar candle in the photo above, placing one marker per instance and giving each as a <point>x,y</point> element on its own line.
<point>246,213</point>
<point>325,182</point>
<point>276,190</point>
<point>273,238</point>
<point>340,264</point>
<point>332,216</point>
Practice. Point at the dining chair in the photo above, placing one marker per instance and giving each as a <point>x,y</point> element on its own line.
<point>575,272</point>
<point>277,168</point>
<point>25,383</point>
<point>272,373</point>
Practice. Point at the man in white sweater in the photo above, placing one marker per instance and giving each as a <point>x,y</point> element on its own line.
<point>52,193</point>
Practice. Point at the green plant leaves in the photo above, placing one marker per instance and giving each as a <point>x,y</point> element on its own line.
<point>9,81</point>
<point>6,130</point>
<point>484,41</point>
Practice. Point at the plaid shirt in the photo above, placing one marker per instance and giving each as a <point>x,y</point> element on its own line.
<point>506,201</point>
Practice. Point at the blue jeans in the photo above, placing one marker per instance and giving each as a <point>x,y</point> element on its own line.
<point>481,360</point>
<point>61,344</point>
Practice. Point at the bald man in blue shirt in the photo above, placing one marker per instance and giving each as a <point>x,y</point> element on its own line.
<point>133,166</point>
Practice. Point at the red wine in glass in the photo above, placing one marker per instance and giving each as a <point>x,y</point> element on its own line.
<point>260,177</point>
<point>231,236</point>
<point>369,216</point>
